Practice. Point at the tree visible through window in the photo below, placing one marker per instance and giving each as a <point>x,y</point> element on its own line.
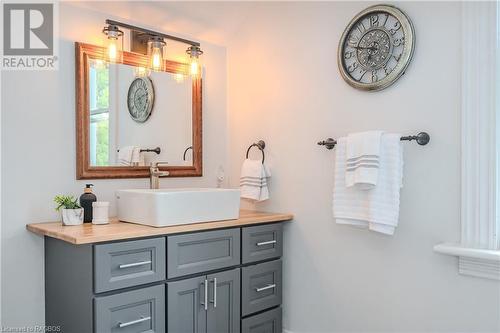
<point>99,113</point>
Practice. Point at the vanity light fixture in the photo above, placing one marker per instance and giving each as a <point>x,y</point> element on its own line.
<point>194,53</point>
<point>151,43</point>
<point>115,43</point>
<point>155,53</point>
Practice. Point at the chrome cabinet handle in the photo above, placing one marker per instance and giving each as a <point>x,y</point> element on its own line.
<point>133,322</point>
<point>135,264</point>
<point>266,243</point>
<point>215,293</point>
<point>269,286</point>
<point>205,302</point>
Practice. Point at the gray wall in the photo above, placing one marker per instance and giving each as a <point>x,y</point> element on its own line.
<point>38,156</point>
<point>284,87</point>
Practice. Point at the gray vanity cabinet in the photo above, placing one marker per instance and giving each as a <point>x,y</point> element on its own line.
<point>221,281</point>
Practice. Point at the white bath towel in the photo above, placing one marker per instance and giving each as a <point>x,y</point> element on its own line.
<point>253,180</point>
<point>363,159</point>
<point>378,208</point>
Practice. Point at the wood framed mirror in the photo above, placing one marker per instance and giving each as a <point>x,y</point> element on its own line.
<point>128,117</point>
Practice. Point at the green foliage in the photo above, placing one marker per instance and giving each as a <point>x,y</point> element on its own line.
<point>102,146</point>
<point>66,201</point>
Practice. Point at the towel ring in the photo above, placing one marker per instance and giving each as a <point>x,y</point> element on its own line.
<point>261,145</point>
<point>185,152</point>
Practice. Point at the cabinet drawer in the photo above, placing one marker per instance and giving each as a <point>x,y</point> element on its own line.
<point>126,264</point>
<point>266,322</point>
<point>141,310</point>
<point>203,251</point>
<point>262,242</point>
<point>261,287</point>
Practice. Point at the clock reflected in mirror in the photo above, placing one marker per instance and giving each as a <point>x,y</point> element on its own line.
<point>140,99</point>
<point>376,48</point>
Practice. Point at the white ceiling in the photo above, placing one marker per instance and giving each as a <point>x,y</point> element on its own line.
<point>213,22</point>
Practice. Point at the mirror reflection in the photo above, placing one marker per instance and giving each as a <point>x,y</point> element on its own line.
<point>137,116</point>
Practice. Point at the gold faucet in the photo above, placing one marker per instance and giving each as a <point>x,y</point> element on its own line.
<point>155,174</point>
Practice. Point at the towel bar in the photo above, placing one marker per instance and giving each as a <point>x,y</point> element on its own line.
<point>261,145</point>
<point>422,139</point>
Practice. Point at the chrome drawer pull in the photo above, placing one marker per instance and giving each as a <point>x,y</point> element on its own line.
<point>215,293</point>
<point>133,322</point>
<point>135,264</point>
<point>267,243</point>
<point>205,300</point>
<point>269,286</point>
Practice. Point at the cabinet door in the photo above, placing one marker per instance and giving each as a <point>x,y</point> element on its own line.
<point>224,302</point>
<point>186,305</point>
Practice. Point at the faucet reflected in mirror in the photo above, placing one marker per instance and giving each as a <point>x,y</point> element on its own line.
<point>155,174</point>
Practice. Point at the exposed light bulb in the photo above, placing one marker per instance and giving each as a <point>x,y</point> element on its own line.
<point>155,52</point>
<point>194,68</point>
<point>156,60</point>
<point>115,40</point>
<point>194,53</point>
<point>112,50</point>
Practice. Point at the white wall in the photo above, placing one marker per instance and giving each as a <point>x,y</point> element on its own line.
<point>284,87</point>
<point>38,155</point>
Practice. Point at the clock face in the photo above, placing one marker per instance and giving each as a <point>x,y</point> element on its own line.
<point>140,99</point>
<point>376,48</point>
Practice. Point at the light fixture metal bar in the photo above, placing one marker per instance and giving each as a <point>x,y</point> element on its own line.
<point>151,32</point>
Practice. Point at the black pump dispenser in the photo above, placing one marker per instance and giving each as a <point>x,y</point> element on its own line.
<point>86,200</point>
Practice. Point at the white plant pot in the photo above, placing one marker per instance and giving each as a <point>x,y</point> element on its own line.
<point>72,216</point>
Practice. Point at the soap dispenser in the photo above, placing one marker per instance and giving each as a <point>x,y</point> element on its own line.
<point>86,200</point>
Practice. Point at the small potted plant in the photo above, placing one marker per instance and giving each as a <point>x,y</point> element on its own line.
<point>72,213</point>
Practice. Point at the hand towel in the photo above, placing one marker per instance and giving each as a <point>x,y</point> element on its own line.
<point>378,208</point>
<point>125,155</point>
<point>362,166</point>
<point>137,157</point>
<point>253,180</point>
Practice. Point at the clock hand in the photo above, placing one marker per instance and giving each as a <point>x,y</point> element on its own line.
<point>364,48</point>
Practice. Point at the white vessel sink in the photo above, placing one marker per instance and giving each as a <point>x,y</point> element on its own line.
<point>165,207</point>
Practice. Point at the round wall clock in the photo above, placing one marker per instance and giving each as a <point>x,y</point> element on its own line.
<point>376,47</point>
<point>140,99</point>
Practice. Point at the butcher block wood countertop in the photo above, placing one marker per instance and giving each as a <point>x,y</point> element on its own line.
<point>116,230</point>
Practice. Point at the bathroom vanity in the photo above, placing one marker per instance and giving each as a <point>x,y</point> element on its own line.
<point>223,276</point>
